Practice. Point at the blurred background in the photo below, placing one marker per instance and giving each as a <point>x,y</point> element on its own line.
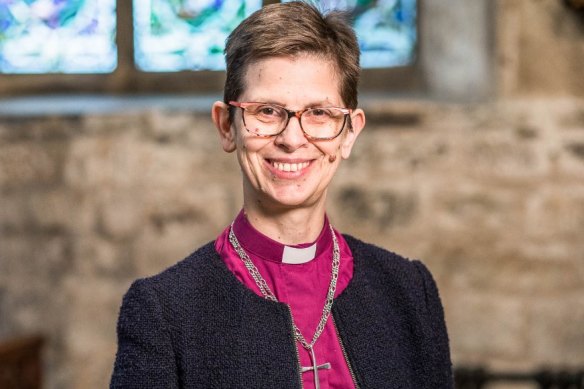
<point>472,160</point>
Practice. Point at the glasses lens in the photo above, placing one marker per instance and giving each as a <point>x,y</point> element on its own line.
<point>323,122</point>
<point>264,119</point>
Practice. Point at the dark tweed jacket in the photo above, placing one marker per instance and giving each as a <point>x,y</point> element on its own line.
<point>196,326</point>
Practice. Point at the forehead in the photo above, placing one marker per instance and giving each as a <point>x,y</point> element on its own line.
<point>292,79</point>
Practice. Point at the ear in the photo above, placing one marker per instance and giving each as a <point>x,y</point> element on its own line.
<point>220,116</point>
<point>358,122</point>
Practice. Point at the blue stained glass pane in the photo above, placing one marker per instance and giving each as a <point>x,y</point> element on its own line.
<point>386,29</point>
<point>174,35</point>
<point>57,36</point>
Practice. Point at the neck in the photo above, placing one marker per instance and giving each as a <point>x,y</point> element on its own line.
<point>290,226</point>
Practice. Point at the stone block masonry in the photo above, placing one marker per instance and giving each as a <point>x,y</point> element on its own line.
<point>490,196</point>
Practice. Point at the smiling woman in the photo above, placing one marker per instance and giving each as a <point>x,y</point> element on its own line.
<point>281,299</point>
<point>267,162</point>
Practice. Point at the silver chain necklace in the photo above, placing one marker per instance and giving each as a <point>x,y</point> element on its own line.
<point>269,295</point>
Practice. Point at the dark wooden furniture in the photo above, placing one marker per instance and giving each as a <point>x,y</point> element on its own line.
<point>21,363</point>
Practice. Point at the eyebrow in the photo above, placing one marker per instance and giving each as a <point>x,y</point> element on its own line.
<point>322,103</point>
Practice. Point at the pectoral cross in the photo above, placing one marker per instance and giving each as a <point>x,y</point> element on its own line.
<point>315,368</point>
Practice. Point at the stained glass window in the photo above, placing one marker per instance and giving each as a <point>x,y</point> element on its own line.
<point>78,36</point>
<point>174,35</point>
<point>386,29</point>
<point>57,36</point>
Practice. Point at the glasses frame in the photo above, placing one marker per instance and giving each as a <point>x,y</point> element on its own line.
<point>297,114</point>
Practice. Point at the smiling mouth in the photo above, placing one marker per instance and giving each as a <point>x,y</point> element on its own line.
<point>289,167</point>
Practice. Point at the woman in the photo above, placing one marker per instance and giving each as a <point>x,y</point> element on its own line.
<point>281,299</point>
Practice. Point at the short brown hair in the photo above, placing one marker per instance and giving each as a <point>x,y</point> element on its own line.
<point>290,29</point>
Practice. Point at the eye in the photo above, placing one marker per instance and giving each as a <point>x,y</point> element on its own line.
<point>267,110</point>
<point>320,112</point>
<point>266,113</point>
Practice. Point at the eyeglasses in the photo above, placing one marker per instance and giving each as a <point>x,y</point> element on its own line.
<point>319,123</point>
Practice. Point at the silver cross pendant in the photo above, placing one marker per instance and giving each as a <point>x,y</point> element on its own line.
<point>315,368</point>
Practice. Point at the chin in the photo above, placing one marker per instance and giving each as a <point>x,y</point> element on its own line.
<point>294,199</point>
<point>289,201</point>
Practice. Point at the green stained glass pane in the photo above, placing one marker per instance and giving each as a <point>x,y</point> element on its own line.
<point>386,29</point>
<point>174,35</point>
<point>57,36</point>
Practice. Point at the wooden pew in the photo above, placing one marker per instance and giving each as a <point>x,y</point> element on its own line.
<point>21,363</point>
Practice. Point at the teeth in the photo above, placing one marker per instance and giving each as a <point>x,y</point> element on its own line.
<point>290,167</point>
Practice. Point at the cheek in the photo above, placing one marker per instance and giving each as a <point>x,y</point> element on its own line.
<point>330,149</point>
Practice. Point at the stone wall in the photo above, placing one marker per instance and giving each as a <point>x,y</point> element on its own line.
<point>490,195</point>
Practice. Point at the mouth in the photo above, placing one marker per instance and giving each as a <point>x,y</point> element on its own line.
<point>288,166</point>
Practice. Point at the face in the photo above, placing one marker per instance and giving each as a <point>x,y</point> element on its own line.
<point>287,170</point>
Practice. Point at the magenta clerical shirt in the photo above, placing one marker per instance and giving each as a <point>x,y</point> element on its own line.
<point>298,276</point>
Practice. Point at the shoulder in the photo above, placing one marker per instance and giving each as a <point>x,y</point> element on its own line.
<point>391,272</point>
<point>199,271</point>
<point>378,258</point>
<point>200,261</point>
<point>179,299</point>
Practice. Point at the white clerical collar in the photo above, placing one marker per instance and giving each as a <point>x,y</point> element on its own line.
<point>296,256</point>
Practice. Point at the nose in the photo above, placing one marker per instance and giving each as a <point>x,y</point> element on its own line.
<point>292,138</point>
